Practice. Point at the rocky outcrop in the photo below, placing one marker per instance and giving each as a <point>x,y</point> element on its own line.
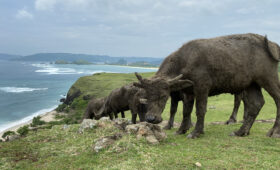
<point>104,142</point>
<point>87,124</point>
<point>151,132</point>
<point>119,128</point>
<point>71,95</point>
<point>13,137</point>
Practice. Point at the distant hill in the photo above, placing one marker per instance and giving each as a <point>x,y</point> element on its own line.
<point>69,57</point>
<point>8,56</point>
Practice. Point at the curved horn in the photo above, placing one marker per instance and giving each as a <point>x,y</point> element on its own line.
<point>143,101</point>
<point>176,78</point>
<point>138,77</point>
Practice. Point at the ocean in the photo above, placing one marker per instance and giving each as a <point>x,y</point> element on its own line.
<point>30,89</point>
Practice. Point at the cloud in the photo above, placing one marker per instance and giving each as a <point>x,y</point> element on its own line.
<point>24,14</point>
<point>44,5</point>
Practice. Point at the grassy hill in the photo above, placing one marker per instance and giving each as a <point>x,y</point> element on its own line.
<point>57,148</point>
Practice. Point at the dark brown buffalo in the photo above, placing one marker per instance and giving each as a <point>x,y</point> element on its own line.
<point>207,67</point>
<point>93,107</point>
<point>186,123</point>
<point>120,100</point>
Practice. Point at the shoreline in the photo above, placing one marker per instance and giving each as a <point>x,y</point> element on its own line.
<point>47,117</point>
<point>115,65</point>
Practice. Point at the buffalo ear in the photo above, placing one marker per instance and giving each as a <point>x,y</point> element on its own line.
<point>138,77</point>
<point>180,84</point>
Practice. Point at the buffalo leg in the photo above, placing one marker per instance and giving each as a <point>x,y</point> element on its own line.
<point>111,116</point>
<point>116,115</point>
<point>173,110</point>
<point>87,114</point>
<point>141,112</point>
<point>237,101</point>
<point>273,88</point>
<point>253,102</point>
<point>123,116</point>
<point>134,117</point>
<point>187,110</point>
<point>201,104</point>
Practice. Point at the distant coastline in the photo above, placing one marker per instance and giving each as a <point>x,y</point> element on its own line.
<point>141,64</point>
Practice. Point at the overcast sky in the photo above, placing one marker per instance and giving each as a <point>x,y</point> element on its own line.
<point>148,28</point>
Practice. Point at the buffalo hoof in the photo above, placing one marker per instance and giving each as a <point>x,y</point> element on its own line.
<point>274,133</point>
<point>230,121</point>
<point>239,133</point>
<point>194,135</point>
<point>180,132</point>
<point>167,127</point>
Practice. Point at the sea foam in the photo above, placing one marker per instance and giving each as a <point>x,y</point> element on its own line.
<point>20,89</point>
<point>50,69</point>
<point>8,125</point>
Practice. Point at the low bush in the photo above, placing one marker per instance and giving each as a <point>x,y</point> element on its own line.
<point>61,107</point>
<point>37,121</point>
<point>23,130</point>
<point>8,133</point>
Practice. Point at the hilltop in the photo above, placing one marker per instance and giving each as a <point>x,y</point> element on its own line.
<point>60,146</point>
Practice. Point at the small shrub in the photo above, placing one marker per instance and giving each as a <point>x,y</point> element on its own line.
<point>67,109</point>
<point>79,104</point>
<point>37,121</point>
<point>8,133</point>
<point>23,130</point>
<point>61,107</point>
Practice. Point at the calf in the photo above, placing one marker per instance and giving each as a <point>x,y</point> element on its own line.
<point>93,107</point>
<point>120,100</point>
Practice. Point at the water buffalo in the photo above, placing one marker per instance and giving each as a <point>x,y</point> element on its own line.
<point>188,107</point>
<point>93,107</point>
<point>206,67</point>
<point>120,100</point>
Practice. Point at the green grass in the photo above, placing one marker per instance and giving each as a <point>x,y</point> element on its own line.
<point>56,148</point>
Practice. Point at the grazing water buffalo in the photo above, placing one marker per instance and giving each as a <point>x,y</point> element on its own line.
<point>188,107</point>
<point>120,100</point>
<point>206,67</point>
<point>93,107</point>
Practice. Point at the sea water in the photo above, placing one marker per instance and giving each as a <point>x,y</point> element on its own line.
<point>30,89</point>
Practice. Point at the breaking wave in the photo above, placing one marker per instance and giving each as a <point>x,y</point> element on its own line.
<point>20,89</point>
<point>26,119</point>
<point>51,70</point>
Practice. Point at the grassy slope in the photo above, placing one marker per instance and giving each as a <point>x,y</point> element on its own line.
<point>61,149</point>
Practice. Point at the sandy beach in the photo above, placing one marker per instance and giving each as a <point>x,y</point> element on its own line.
<point>47,117</point>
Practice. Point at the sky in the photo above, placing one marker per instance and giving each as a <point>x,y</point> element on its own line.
<point>146,28</point>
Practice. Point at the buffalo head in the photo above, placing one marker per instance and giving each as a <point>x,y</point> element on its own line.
<point>155,93</point>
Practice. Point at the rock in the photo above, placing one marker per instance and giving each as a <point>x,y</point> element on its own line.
<point>10,138</point>
<point>152,139</point>
<point>87,97</point>
<point>65,127</point>
<point>151,132</point>
<point>62,100</point>
<point>72,94</point>
<point>104,142</point>
<point>122,123</point>
<point>212,107</point>
<point>132,129</point>
<point>160,135</point>
<point>87,124</point>
<point>104,119</point>
<point>144,131</point>
<point>105,124</point>
<point>198,164</point>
